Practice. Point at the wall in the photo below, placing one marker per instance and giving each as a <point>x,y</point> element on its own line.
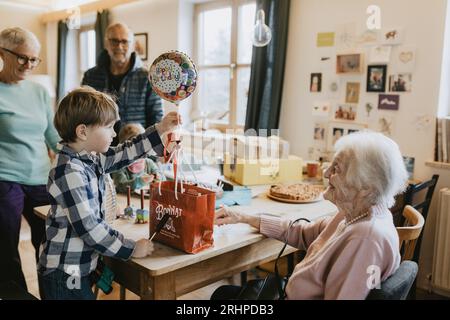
<point>157,17</point>
<point>424,26</point>
<point>12,15</point>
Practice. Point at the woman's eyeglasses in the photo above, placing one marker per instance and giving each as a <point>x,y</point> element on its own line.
<point>23,60</point>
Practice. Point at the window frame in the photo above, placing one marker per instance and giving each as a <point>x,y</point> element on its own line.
<point>83,28</point>
<point>233,67</point>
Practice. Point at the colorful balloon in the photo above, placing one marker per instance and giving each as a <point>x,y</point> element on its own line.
<point>173,76</point>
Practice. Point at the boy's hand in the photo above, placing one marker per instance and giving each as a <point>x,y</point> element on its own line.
<point>143,248</point>
<point>168,123</point>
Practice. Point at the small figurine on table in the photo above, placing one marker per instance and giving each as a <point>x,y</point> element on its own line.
<point>142,215</point>
<point>129,212</point>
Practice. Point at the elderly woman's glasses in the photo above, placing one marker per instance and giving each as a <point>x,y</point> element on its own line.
<point>117,42</point>
<point>23,60</point>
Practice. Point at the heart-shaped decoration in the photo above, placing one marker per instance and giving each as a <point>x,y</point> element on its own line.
<point>406,57</point>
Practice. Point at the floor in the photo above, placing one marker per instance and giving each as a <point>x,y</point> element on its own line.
<point>29,269</point>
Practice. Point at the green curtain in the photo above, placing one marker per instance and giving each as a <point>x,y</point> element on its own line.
<point>63,30</point>
<point>101,24</point>
<point>267,69</point>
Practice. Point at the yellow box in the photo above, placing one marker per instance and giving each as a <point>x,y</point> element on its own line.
<point>263,171</point>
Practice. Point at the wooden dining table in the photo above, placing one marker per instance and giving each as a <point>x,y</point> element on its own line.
<point>169,273</point>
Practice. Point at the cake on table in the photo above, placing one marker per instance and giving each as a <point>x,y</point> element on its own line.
<point>296,192</point>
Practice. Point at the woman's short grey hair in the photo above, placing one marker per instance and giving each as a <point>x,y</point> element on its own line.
<point>11,38</point>
<point>375,163</point>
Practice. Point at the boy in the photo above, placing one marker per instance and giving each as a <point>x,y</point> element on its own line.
<point>75,228</point>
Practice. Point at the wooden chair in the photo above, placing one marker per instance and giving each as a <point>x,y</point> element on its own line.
<point>410,232</point>
<point>418,196</point>
<point>409,236</point>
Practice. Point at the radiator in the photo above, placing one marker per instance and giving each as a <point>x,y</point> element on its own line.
<point>441,257</point>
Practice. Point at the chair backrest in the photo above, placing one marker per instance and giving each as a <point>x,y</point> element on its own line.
<point>410,232</point>
<point>423,205</point>
<point>397,286</point>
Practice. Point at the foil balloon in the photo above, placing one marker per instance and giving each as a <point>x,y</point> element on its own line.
<point>173,76</point>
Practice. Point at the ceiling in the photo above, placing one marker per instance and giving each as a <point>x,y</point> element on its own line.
<point>47,5</point>
<point>51,5</point>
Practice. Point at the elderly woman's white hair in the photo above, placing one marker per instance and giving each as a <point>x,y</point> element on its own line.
<point>11,38</point>
<point>375,163</point>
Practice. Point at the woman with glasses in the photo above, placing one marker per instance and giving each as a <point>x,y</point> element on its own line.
<point>26,122</point>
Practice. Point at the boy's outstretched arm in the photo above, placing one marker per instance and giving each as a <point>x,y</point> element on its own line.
<point>129,151</point>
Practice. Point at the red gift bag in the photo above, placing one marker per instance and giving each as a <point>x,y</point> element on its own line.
<point>191,223</point>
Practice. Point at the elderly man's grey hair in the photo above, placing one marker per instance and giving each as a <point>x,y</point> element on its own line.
<point>119,25</point>
<point>11,38</point>
<point>375,163</point>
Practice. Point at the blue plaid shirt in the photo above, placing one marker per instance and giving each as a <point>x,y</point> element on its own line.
<point>136,100</point>
<point>75,227</point>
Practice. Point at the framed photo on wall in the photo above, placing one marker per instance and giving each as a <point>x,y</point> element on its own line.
<point>376,78</point>
<point>338,129</point>
<point>141,45</point>
<point>315,82</point>
<point>349,63</point>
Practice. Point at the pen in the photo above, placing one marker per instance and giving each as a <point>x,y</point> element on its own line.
<point>160,225</point>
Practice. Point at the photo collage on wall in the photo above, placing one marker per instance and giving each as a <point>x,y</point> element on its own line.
<point>359,81</point>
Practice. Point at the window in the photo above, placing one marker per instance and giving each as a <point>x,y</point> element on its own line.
<point>223,54</point>
<point>87,49</point>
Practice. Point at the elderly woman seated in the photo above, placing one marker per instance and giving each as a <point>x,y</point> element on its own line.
<point>347,251</point>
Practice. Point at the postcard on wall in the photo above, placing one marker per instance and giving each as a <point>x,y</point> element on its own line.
<point>345,37</point>
<point>400,82</point>
<point>321,108</point>
<point>392,36</point>
<point>352,92</point>
<point>345,112</point>
<point>333,85</point>
<point>325,39</point>
<point>380,54</point>
<point>369,111</point>
<point>319,131</point>
<point>388,101</point>
<point>368,38</point>
<point>404,59</point>
<point>386,125</point>
<point>338,129</point>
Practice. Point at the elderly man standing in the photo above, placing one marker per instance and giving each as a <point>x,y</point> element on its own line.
<point>26,122</point>
<point>120,72</point>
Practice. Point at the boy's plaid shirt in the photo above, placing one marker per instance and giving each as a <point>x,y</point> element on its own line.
<point>75,227</point>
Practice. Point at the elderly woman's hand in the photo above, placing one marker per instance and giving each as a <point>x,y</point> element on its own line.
<point>227,216</point>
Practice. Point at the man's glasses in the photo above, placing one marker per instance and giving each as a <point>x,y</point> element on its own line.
<point>23,60</point>
<point>117,42</point>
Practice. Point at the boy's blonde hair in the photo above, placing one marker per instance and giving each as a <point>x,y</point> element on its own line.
<point>130,131</point>
<point>84,106</point>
